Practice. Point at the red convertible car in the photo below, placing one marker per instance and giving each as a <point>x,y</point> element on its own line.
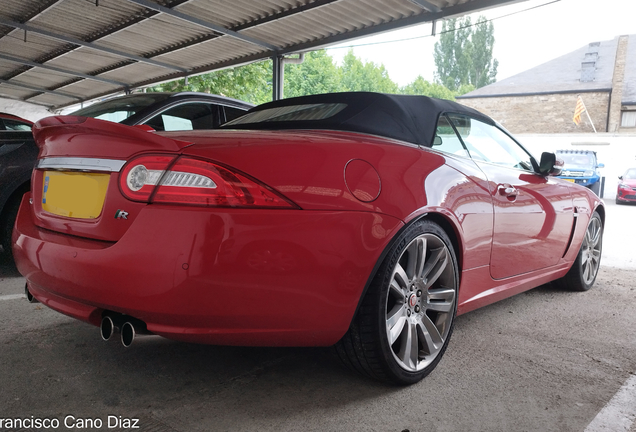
<point>364,220</point>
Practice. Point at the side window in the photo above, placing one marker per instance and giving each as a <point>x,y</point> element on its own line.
<point>490,144</point>
<point>13,125</point>
<point>446,139</point>
<point>189,116</point>
<point>232,113</point>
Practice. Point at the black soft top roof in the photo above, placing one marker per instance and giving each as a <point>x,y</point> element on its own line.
<point>403,117</point>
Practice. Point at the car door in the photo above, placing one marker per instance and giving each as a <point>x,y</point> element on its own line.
<point>533,214</point>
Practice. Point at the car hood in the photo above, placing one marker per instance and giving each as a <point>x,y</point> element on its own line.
<point>629,182</point>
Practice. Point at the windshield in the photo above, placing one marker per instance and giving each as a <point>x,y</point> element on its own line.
<point>119,109</point>
<point>630,174</point>
<point>577,159</point>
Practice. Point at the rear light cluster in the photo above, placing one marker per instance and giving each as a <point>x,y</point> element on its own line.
<point>186,180</point>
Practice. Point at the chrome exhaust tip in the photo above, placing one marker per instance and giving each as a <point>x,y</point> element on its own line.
<point>127,334</point>
<point>28,294</point>
<point>107,328</point>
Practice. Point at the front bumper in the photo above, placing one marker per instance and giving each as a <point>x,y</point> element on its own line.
<point>583,181</point>
<point>626,195</point>
<point>219,276</point>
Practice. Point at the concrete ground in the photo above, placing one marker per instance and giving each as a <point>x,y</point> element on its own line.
<point>544,360</point>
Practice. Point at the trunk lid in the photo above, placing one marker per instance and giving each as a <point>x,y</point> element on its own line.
<point>75,187</point>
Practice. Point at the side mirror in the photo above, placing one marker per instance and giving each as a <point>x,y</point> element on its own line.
<point>550,165</point>
<point>601,165</point>
<point>620,177</point>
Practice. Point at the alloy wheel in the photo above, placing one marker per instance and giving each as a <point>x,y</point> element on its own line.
<point>420,303</point>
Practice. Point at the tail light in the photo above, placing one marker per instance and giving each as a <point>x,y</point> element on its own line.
<point>186,180</point>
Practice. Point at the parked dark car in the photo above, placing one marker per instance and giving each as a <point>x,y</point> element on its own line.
<point>18,153</point>
<point>161,111</point>
<point>168,111</point>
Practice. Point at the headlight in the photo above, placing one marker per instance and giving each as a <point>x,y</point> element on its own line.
<point>623,186</point>
<point>588,173</point>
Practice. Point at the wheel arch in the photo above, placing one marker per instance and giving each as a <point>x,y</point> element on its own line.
<point>16,194</point>
<point>600,209</point>
<point>440,219</point>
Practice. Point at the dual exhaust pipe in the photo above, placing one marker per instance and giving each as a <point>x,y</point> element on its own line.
<point>127,327</point>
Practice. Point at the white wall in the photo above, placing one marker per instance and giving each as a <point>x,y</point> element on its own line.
<point>25,110</point>
<point>617,152</point>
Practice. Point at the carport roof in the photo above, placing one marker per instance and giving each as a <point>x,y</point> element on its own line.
<point>61,52</point>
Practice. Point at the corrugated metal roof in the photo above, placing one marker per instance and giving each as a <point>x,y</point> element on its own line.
<point>61,52</point>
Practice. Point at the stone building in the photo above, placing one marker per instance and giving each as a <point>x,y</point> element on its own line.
<point>543,99</point>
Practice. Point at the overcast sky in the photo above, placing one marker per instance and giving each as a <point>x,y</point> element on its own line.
<point>534,32</point>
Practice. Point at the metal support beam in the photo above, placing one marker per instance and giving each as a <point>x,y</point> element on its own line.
<point>63,71</point>
<point>39,89</point>
<point>427,6</point>
<point>205,24</point>
<point>90,45</point>
<point>278,78</point>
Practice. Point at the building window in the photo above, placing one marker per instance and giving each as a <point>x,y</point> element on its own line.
<point>628,119</point>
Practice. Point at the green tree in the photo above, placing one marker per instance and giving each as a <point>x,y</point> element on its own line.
<point>316,74</point>
<point>484,67</point>
<point>360,76</point>
<point>251,83</point>
<point>463,54</point>
<point>422,87</point>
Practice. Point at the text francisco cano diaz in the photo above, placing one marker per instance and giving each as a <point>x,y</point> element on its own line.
<point>69,422</point>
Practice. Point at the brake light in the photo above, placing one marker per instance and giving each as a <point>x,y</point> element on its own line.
<point>187,180</point>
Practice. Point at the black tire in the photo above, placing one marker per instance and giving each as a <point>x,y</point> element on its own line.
<point>416,311</point>
<point>7,220</point>
<point>618,202</point>
<point>584,270</point>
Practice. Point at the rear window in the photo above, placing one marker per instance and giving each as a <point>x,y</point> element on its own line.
<point>291,113</point>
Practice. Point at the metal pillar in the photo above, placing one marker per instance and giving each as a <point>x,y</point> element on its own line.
<point>278,68</point>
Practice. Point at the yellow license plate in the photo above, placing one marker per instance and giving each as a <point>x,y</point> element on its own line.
<point>73,194</point>
<point>570,180</point>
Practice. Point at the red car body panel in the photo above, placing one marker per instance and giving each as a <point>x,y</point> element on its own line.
<point>288,277</point>
<point>214,278</point>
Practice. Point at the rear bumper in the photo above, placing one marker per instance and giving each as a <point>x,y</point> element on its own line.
<point>219,276</point>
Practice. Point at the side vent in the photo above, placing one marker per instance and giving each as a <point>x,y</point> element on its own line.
<point>574,220</point>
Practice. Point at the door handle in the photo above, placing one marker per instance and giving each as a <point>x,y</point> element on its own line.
<point>507,190</point>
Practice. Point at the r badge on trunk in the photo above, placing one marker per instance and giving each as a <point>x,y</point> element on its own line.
<point>121,214</point>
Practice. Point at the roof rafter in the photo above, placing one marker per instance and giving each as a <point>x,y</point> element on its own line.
<point>60,70</point>
<point>203,23</point>
<point>91,38</point>
<point>276,16</point>
<point>426,5</point>
<point>46,5</point>
<point>39,89</point>
<point>74,41</point>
